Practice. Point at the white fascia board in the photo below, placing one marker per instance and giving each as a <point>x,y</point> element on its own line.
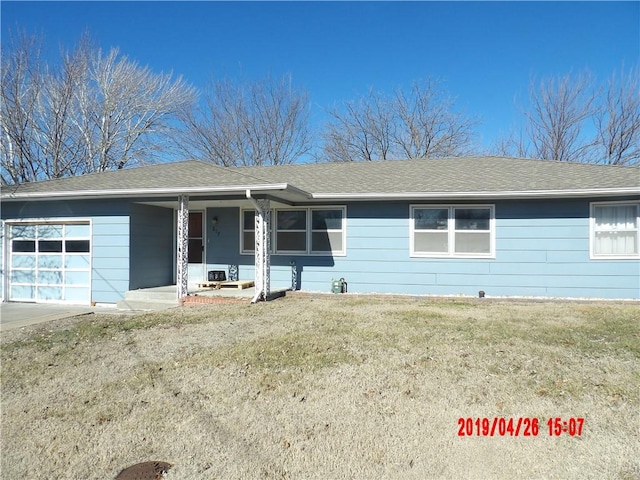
<point>595,192</point>
<point>158,192</point>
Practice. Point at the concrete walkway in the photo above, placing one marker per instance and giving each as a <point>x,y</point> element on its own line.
<point>16,315</point>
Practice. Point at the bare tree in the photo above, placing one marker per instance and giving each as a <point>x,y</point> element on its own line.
<point>91,112</point>
<point>420,123</point>
<point>363,130</point>
<point>559,110</point>
<point>429,124</point>
<point>21,89</point>
<point>248,123</point>
<point>131,109</point>
<point>515,144</point>
<point>573,118</point>
<point>62,152</point>
<point>618,120</point>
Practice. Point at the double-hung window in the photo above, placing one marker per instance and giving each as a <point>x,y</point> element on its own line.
<point>452,231</point>
<point>300,231</point>
<point>248,234</point>
<point>291,231</point>
<point>614,230</point>
<point>327,231</point>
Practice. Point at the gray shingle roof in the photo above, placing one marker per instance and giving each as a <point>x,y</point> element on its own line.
<point>453,177</point>
<point>187,174</point>
<point>483,175</point>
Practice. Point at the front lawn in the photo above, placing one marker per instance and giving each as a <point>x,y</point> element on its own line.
<point>324,387</point>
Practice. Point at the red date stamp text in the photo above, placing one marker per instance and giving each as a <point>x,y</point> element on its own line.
<point>518,427</point>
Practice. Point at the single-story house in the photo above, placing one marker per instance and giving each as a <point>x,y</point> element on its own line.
<point>450,226</point>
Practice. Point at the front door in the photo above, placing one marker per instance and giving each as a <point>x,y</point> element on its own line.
<point>196,248</point>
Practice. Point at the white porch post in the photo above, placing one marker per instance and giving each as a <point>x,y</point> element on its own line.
<point>182,242</point>
<point>262,249</point>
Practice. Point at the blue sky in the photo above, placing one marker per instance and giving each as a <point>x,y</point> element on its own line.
<point>484,52</point>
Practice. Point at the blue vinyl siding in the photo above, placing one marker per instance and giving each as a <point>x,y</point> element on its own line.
<point>64,209</point>
<point>109,240</point>
<point>110,267</point>
<point>542,250</point>
<point>151,246</point>
<point>131,244</point>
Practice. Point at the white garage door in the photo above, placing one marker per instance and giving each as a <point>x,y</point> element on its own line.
<point>50,262</point>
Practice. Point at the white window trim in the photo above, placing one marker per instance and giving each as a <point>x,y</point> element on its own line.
<point>274,230</point>
<point>242,230</point>
<point>309,230</point>
<point>343,229</point>
<point>452,232</point>
<point>592,231</point>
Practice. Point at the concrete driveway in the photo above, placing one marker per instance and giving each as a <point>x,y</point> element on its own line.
<point>16,315</point>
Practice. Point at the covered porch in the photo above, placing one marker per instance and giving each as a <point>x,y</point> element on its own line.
<point>159,298</point>
<point>208,231</point>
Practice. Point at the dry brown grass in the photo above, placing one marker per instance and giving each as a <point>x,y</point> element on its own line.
<point>324,387</point>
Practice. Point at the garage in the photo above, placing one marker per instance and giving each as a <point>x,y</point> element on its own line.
<point>50,262</point>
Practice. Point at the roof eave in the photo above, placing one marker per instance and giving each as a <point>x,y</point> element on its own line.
<point>157,192</point>
<point>579,193</point>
